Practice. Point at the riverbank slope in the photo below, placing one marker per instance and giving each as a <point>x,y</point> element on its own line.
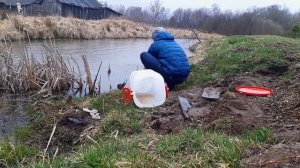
<point>235,131</point>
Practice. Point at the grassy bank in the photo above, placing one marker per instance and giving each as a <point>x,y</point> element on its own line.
<point>236,54</point>
<point>18,27</point>
<point>122,140</point>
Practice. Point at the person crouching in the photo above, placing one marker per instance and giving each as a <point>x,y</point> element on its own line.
<point>167,58</point>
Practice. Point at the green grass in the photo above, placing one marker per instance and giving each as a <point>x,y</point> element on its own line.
<point>12,155</point>
<point>37,118</point>
<point>258,136</point>
<point>235,54</point>
<point>192,148</point>
<point>118,116</point>
<point>23,133</point>
<point>15,152</point>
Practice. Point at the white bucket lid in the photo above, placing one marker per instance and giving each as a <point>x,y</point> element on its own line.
<point>148,88</point>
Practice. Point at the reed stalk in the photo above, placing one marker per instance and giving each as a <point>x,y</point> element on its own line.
<point>26,73</point>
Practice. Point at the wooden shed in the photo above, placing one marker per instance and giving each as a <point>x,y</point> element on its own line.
<point>83,9</point>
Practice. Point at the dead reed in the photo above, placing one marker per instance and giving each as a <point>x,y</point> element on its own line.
<point>26,73</point>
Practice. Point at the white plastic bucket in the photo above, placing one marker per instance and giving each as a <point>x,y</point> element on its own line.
<point>147,89</point>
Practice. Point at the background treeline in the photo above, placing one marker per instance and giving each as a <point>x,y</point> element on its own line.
<point>274,19</point>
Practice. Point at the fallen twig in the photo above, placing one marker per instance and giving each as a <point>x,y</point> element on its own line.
<point>55,154</point>
<point>90,138</point>
<point>49,141</point>
<point>265,163</point>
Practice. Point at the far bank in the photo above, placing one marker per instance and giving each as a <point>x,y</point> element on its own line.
<point>19,27</point>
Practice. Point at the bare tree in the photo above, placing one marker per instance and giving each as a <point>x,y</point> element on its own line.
<point>135,14</point>
<point>268,20</point>
<point>158,12</point>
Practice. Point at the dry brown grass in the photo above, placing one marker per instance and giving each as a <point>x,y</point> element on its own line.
<point>19,27</point>
<point>27,74</point>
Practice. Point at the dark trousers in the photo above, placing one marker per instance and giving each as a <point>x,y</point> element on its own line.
<point>150,62</point>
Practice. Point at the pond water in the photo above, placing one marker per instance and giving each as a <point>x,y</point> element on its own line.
<point>122,56</point>
<point>12,116</point>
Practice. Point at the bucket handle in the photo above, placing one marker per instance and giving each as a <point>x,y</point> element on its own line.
<point>167,90</point>
<point>127,95</point>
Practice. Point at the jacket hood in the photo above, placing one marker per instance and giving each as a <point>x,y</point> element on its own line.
<point>162,36</point>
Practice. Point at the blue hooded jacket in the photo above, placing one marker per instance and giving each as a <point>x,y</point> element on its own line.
<point>170,55</point>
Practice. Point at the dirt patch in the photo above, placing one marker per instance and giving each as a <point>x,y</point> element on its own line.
<point>73,126</point>
<point>280,155</point>
<point>235,117</point>
<point>233,113</point>
<point>275,70</point>
<point>168,118</point>
<point>288,134</point>
<point>287,49</point>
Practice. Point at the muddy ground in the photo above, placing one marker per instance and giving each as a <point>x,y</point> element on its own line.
<point>72,126</point>
<point>234,113</point>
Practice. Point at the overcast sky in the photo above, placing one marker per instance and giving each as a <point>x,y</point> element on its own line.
<point>241,5</point>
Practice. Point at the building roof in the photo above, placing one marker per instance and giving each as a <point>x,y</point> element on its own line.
<point>82,3</point>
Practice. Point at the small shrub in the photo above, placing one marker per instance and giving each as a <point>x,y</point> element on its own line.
<point>193,48</point>
<point>123,28</point>
<point>3,16</point>
<point>18,24</point>
<point>48,22</point>
<point>108,28</point>
<point>295,31</point>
